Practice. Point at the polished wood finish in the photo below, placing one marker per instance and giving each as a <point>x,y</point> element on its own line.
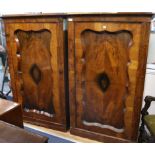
<point>107,59</point>
<point>36,60</point>
<point>13,134</point>
<point>11,112</point>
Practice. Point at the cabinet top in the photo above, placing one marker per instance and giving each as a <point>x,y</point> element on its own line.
<point>29,14</point>
<point>78,16</point>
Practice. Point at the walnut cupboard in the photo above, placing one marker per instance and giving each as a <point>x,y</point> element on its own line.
<point>36,54</point>
<point>107,59</point>
<point>101,58</point>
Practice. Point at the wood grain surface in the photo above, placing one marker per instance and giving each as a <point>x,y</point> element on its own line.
<point>36,57</point>
<point>107,67</point>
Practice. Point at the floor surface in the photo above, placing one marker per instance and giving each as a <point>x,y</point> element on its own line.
<point>65,135</point>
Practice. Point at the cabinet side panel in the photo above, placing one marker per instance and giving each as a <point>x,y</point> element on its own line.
<point>143,53</point>
<point>71,67</point>
<point>10,48</point>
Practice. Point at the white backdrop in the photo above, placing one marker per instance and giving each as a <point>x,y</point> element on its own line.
<point>29,6</point>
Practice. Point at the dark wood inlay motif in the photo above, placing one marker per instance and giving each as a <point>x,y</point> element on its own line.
<point>105,79</point>
<point>35,73</point>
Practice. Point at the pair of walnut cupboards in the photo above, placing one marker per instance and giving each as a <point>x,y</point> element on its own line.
<point>90,74</point>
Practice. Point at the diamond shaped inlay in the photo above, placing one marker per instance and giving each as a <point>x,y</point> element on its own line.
<point>35,73</point>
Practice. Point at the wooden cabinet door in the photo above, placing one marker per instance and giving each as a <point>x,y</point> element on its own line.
<point>106,69</point>
<point>36,56</point>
